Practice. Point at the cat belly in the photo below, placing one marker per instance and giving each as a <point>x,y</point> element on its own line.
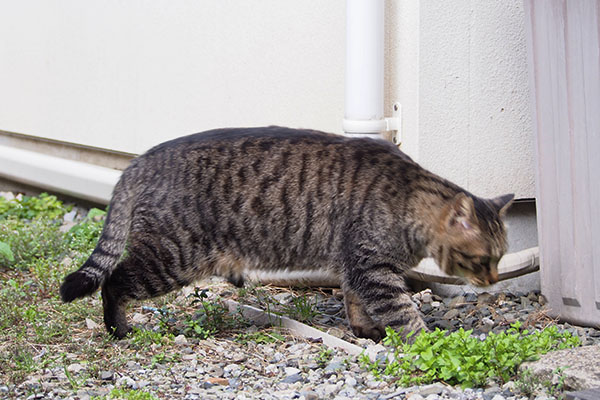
<point>294,277</point>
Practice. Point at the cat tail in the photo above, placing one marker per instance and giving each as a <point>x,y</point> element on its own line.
<point>103,260</point>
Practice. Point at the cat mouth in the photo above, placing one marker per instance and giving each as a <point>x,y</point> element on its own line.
<point>480,282</point>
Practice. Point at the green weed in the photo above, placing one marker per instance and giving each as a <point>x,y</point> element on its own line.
<point>325,355</point>
<point>211,318</point>
<point>126,394</point>
<point>261,337</point>
<point>82,238</point>
<point>461,359</point>
<point>528,384</point>
<point>29,241</point>
<point>29,207</point>
<point>302,308</point>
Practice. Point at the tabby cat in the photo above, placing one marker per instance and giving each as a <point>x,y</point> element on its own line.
<point>228,201</point>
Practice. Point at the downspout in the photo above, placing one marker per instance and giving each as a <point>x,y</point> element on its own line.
<point>364,97</point>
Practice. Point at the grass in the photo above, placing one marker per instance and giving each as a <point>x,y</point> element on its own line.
<point>38,331</point>
<point>458,358</point>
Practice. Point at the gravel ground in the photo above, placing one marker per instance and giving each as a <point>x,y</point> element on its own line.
<point>225,367</point>
<point>222,368</point>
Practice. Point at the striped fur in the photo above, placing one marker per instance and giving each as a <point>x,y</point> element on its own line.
<point>230,201</point>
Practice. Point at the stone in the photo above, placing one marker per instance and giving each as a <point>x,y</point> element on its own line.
<point>434,388</point>
<point>451,314</point>
<point>485,298</point>
<point>471,297</point>
<point>75,368</point>
<point>180,339</point>
<point>127,382</point>
<point>457,301</point>
<point>107,375</point>
<point>426,297</point>
<point>581,367</point>
<point>350,381</point>
<point>291,371</point>
<point>216,371</point>
<point>336,332</point>
<point>442,324</point>
<point>292,378</point>
<point>91,324</point>
<point>334,366</point>
<point>309,395</point>
<point>70,216</point>
<point>140,318</point>
<point>218,381</point>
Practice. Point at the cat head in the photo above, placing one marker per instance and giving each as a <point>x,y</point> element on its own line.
<point>471,237</point>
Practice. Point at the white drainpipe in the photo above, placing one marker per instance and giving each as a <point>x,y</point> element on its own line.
<point>74,178</point>
<point>364,114</point>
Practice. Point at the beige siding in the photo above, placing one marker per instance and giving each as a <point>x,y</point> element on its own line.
<point>565,63</point>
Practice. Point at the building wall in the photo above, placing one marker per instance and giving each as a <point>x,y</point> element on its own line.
<point>127,75</point>
<point>460,72</point>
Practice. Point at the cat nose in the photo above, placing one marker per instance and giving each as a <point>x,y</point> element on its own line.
<point>493,277</point>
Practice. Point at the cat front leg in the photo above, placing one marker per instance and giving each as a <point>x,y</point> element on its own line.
<point>376,296</point>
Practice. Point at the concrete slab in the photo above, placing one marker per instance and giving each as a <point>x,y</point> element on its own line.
<point>580,367</point>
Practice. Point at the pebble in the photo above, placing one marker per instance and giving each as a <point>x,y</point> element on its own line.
<point>107,375</point>
<point>180,339</point>
<point>224,369</point>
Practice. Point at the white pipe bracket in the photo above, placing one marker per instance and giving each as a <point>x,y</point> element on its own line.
<point>394,124</point>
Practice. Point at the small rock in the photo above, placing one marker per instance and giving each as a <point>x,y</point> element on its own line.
<point>426,297</point>
<point>434,388</point>
<point>140,318</point>
<point>485,298</point>
<point>435,304</point>
<point>292,378</point>
<point>283,298</point>
<point>70,216</point>
<point>218,381</point>
<point>180,339</point>
<point>76,368</point>
<point>471,297</point>
<point>216,371</point>
<point>107,375</point>
<point>350,381</point>
<point>91,324</point>
<point>309,395</point>
<point>458,301</point>
<point>291,371</point>
<point>451,314</point>
<point>127,382</point>
<point>334,366</point>
<point>525,301</point>
<point>442,324</point>
<point>336,332</point>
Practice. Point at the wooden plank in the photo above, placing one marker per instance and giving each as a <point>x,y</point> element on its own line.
<point>591,394</point>
<point>260,317</point>
<point>564,55</point>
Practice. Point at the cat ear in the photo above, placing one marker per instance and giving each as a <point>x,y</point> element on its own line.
<point>501,203</point>
<point>462,213</point>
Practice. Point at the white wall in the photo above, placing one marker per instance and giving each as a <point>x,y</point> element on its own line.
<point>128,74</point>
<point>460,71</point>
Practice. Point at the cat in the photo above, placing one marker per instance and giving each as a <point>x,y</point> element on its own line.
<point>227,201</point>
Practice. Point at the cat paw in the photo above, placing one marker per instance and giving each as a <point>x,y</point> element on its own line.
<point>372,332</point>
<point>119,332</point>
